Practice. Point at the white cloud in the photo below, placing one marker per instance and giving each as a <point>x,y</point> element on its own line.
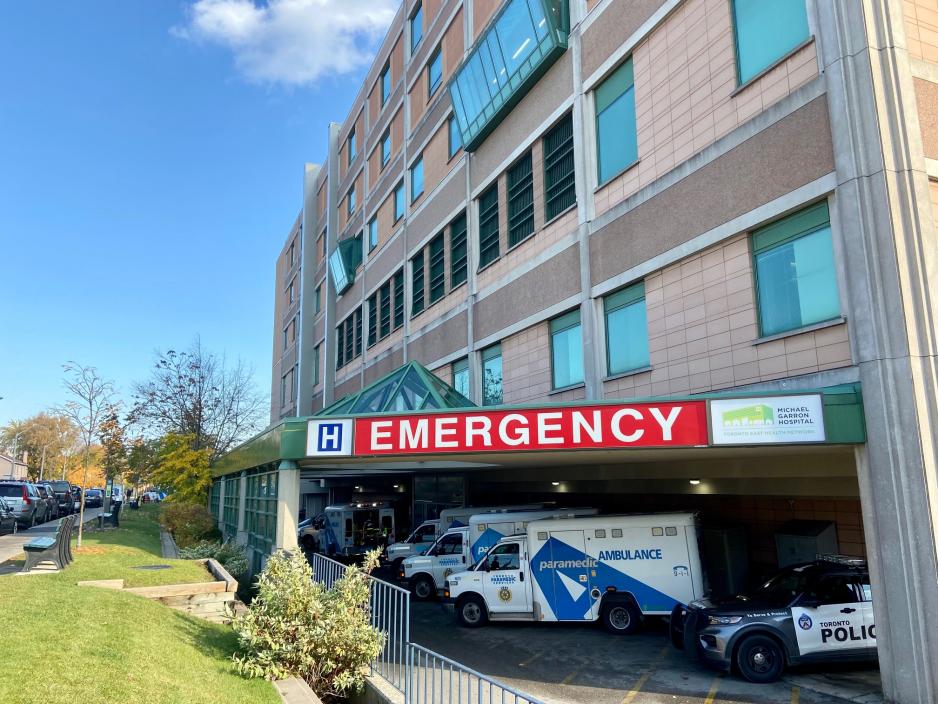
<point>291,42</point>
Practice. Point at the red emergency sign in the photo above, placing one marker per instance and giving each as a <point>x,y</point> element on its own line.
<point>682,424</point>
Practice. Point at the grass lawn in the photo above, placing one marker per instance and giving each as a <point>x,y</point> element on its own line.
<point>62,643</point>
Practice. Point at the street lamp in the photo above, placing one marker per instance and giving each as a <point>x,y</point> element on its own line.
<point>15,440</point>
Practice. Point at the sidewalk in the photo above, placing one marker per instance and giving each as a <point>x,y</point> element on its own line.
<point>12,545</point>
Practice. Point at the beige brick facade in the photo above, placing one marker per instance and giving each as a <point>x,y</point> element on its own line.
<point>921,28</point>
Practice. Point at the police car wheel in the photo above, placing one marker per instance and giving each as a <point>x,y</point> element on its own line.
<point>676,626</point>
<point>621,618</point>
<point>423,588</point>
<point>470,611</point>
<point>760,659</point>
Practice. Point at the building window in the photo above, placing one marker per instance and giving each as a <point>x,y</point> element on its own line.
<point>317,299</point>
<point>626,330</point>
<point>434,72</point>
<point>348,339</point>
<point>385,83</point>
<point>286,337</point>
<point>616,138</point>
<point>399,202</point>
<point>461,376</point>
<point>416,282</point>
<point>398,299</point>
<point>385,296</point>
<point>416,179</point>
<point>520,43</point>
<point>291,292</point>
<point>416,28</point>
<point>492,375</point>
<point>316,365</point>
<point>559,181</point>
<point>292,254</point>
<point>458,260</point>
<point>455,137</point>
<point>437,269</point>
<point>520,201</point>
<point>488,226</point>
<point>372,318</point>
<point>293,326</point>
<point>288,387</point>
<point>766,32</point>
<point>350,201</point>
<point>566,350</point>
<point>372,233</point>
<point>351,147</point>
<point>385,149</point>
<point>796,280</point>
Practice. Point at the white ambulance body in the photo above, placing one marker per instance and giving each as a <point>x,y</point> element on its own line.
<point>454,551</point>
<point>427,532</point>
<point>355,528</point>
<point>486,529</point>
<point>617,569</point>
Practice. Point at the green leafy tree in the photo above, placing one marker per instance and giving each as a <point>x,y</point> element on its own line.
<point>141,461</point>
<point>296,627</point>
<point>114,443</point>
<point>182,469</point>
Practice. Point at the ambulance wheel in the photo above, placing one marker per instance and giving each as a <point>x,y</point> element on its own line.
<point>396,566</point>
<point>423,587</point>
<point>760,659</point>
<point>470,610</point>
<point>676,626</point>
<point>621,617</point>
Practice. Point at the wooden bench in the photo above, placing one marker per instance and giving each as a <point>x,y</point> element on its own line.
<point>57,550</point>
<point>112,518</point>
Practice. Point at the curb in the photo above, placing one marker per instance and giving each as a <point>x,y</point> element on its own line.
<point>168,545</point>
<point>293,690</point>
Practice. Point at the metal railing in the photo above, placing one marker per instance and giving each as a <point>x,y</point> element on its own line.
<point>435,679</point>
<point>421,675</point>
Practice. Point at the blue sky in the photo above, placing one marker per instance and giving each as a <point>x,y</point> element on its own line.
<point>151,159</point>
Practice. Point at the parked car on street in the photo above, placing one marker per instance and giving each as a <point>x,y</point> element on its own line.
<point>819,611</point>
<point>7,518</point>
<point>94,498</point>
<point>23,498</point>
<point>52,503</point>
<point>63,494</point>
<point>76,494</point>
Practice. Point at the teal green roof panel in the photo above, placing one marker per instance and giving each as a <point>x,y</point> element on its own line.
<point>412,387</point>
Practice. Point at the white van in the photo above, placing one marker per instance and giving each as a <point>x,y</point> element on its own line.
<point>487,529</point>
<point>453,552</point>
<point>354,528</point>
<point>617,569</point>
<point>427,532</point>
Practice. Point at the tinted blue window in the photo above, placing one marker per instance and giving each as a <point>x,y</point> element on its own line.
<point>626,330</point>
<point>399,202</point>
<point>616,138</point>
<point>372,234</point>
<point>416,180</point>
<point>385,148</point>
<point>795,274</point>
<point>385,84</point>
<point>492,375</point>
<point>455,137</point>
<point>766,30</point>
<point>416,28</point>
<point>566,350</point>
<point>434,73</point>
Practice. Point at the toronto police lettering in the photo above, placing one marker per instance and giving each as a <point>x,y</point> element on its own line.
<point>842,631</point>
<point>637,554</point>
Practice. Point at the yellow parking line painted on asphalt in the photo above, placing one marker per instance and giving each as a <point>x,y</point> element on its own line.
<point>530,660</point>
<point>632,693</point>
<point>712,694</point>
<point>795,695</point>
<point>569,678</point>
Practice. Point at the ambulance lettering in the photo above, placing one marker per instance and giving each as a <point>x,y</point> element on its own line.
<point>637,554</point>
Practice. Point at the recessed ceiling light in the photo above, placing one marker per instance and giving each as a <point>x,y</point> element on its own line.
<point>556,483</point>
<point>695,482</point>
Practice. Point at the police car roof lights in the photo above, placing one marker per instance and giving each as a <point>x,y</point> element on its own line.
<point>845,560</point>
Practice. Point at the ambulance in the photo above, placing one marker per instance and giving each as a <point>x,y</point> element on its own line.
<point>613,569</point>
<point>454,551</point>
<point>351,529</point>
<point>427,532</point>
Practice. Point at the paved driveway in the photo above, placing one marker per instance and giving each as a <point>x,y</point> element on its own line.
<point>582,664</point>
<point>12,545</point>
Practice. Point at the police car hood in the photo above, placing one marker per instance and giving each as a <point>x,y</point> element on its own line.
<point>734,604</point>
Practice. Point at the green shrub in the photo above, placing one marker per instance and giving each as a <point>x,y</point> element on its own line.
<point>188,523</point>
<point>230,554</point>
<point>295,627</point>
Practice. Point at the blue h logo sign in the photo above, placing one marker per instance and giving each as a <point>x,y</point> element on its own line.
<point>330,437</point>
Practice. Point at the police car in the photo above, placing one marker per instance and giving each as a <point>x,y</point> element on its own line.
<point>821,611</point>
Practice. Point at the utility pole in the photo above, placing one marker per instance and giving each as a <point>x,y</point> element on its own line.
<point>42,464</point>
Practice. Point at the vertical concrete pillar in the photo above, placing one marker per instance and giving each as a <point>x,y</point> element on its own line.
<point>242,536</point>
<point>288,505</point>
<point>883,211</point>
<point>221,505</point>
